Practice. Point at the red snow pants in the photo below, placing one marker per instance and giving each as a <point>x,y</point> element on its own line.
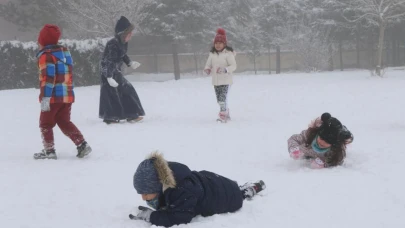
<point>60,115</point>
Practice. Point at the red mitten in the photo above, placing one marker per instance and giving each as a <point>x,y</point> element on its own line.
<point>296,154</point>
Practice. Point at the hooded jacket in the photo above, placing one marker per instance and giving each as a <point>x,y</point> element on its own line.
<point>299,142</point>
<point>55,74</point>
<point>187,193</point>
<point>123,101</point>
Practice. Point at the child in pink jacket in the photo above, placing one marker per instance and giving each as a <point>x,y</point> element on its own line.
<point>323,143</point>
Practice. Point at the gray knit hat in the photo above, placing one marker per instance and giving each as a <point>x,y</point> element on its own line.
<point>146,180</point>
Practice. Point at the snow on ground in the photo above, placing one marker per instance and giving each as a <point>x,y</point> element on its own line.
<point>368,191</point>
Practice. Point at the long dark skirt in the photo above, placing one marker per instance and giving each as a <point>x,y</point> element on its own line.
<point>119,103</point>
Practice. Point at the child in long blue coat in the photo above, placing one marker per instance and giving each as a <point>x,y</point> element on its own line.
<point>178,194</point>
<point>118,98</point>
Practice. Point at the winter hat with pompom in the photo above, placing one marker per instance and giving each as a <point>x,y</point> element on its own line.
<point>332,131</point>
<point>220,36</point>
<point>49,35</point>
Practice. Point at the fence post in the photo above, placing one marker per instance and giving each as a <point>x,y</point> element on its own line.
<point>278,60</point>
<point>155,59</point>
<point>358,49</point>
<point>269,47</point>
<point>176,62</point>
<point>341,53</point>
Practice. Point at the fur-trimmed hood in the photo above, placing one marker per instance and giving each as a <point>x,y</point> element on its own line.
<point>165,174</point>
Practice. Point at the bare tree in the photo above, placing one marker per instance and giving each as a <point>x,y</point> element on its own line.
<point>29,15</point>
<point>379,13</point>
<point>310,44</point>
<point>97,17</point>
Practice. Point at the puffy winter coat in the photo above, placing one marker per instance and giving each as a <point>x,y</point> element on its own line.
<point>225,58</point>
<point>299,142</point>
<point>56,81</point>
<point>187,194</point>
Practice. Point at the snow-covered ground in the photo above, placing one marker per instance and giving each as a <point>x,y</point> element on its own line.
<point>368,191</point>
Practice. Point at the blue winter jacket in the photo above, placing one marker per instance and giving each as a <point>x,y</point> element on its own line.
<point>195,193</point>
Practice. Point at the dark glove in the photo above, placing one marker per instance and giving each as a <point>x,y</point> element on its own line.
<point>143,214</point>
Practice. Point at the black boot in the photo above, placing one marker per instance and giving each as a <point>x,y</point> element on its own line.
<point>111,121</point>
<point>83,150</point>
<point>249,190</point>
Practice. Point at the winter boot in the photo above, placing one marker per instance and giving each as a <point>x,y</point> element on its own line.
<point>111,121</point>
<point>83,150</point>
<point>224,116</point>
<point>135,120</point>
<point>251,189</point>
<point>46,154</point>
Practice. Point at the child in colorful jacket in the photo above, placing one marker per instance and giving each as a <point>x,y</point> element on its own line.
<point>323,144</point>
<point>221,64</point>
<point>56,93</point>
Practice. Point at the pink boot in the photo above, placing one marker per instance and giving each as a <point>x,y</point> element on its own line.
<point>224,116</point>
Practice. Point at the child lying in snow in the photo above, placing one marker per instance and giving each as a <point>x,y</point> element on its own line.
<point>323,143</point>
<point>178,194</point>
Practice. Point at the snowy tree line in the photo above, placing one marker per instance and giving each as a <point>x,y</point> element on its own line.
<point>18,65</point>
<point>316,30</point>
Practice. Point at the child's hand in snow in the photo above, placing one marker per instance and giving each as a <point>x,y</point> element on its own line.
<point>143,214</point>
<point>317,163</point>
<point>296,154</point>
